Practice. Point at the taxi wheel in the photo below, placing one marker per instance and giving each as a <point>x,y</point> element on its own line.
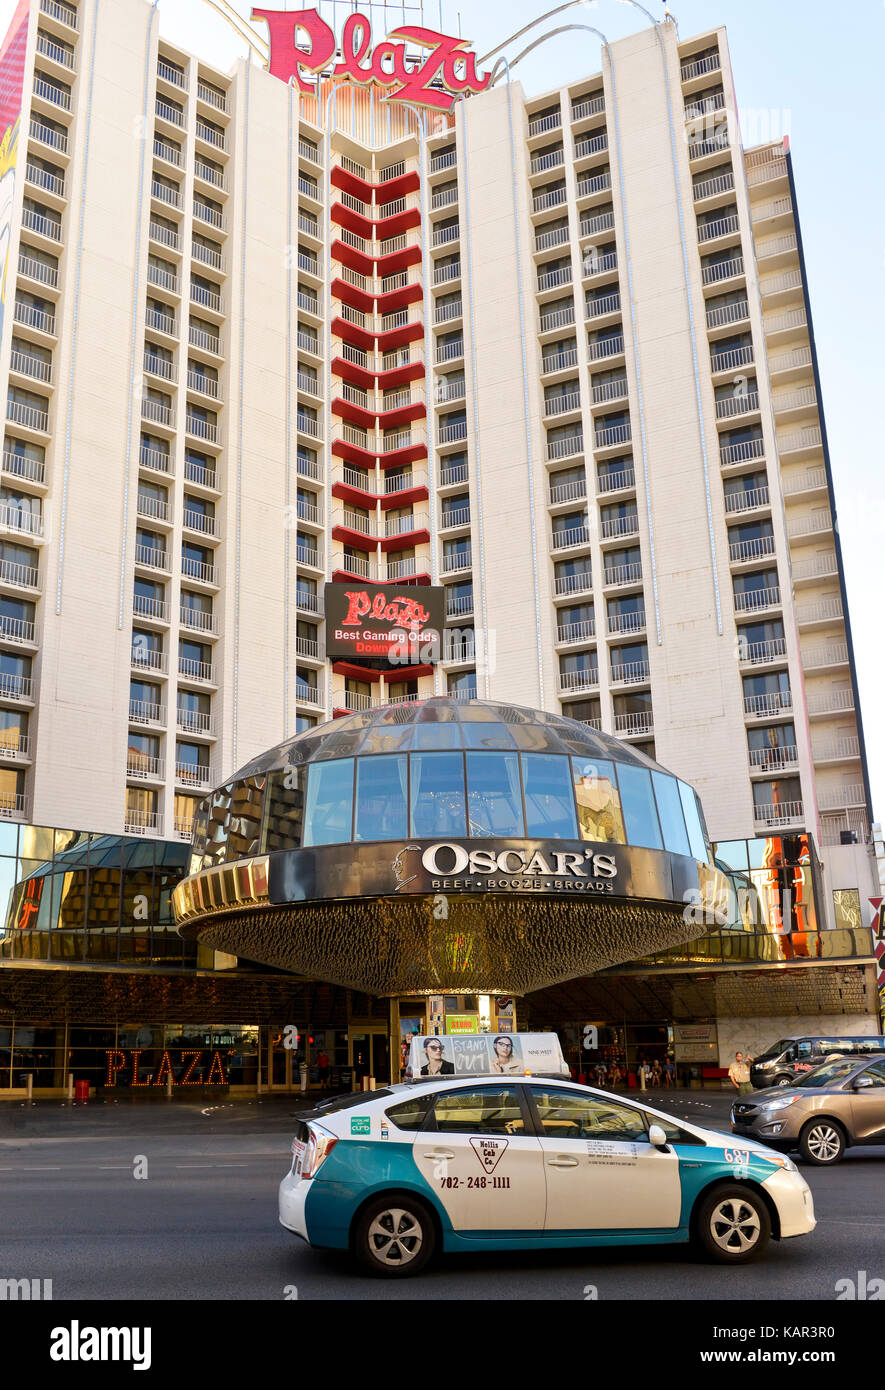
<point>821,1142</point>
<point>394,1236</point>
<point>732,1224</point>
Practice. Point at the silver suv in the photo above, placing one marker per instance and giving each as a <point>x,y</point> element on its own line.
<point>835,1106</point>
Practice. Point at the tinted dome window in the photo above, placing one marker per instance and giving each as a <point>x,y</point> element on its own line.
<point>444,769</point>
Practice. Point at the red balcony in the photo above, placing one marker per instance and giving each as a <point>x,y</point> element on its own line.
<point>407,498</point>
<point>399,260</point>
<point>405,540</point>
<point>350,333</point>
<point>398,337</point>
<point>397,299</point>
<point>394,226</point>
<point>352,184</point>
<point>353,413</point>
<point>353,373</point>
<point>353,453</point>
<point>395,188</point>
<point>408,673</point>
<point>358,540</point>
<point>354,221</point>
<point>403,415</point>
<point>359,673</point>
<point>401,376</point>
<point>352,295</point>
<point>355,260</point>
<point>356,497</point>
<point>397,457</point>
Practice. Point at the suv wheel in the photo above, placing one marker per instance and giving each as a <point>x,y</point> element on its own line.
<point>783,1081</point>
<point>821,1142</point>
<point>732,1224</point>
<point>394,1236</point>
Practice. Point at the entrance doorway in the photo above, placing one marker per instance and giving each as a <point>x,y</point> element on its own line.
<point>279,1064</point>
<point>368,1053</point>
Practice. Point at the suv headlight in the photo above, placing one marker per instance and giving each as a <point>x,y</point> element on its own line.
<point>772,1105</point>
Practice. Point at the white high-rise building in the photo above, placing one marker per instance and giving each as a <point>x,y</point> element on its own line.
<point>553,353</point>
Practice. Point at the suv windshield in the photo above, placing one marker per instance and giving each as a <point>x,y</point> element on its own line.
<point>830,1074</point>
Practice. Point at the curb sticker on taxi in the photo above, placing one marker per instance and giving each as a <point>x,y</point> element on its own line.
<point>360,1124</point>
<point>489,1152</point>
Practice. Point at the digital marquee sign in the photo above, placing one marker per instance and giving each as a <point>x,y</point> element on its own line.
<point>435,81</point>
<point>402,624</point>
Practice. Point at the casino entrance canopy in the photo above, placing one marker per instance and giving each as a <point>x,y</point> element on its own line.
<point>449,846</point>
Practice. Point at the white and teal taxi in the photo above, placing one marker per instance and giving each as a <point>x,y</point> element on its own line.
<point>486,1163</point>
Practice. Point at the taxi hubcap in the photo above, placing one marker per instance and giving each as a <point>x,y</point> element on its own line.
<point>823,1142</point>
<point>735,1225</point>
<point>395,1236</point>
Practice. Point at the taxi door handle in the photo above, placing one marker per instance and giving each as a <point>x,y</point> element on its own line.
<point>562,1162</point>
<point>440,1153</point>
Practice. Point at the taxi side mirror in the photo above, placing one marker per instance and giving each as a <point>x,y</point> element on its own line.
<point>862,1083</point>
<point>657,1137</point>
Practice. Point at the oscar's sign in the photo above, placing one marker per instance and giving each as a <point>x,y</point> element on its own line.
<point>435,81</point>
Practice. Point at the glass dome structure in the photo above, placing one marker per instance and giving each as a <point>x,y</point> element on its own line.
<point>447,768</point>
<point>448,846</point>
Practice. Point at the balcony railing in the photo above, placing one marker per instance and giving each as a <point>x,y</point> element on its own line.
<point>308,602</point>
<point>568,447</point>
<point>151,557</point>
<point>567,634</point>
<point>627,622</point>
<point>541,124</point>
<point>459,606</point>
<point>835,798</point>
<point>607,304</point>
<point>608,436</point>
<point>146,712</point>
<point>141,766</point>
<point>460,560</point>
<point>142,822</point>
<point>546,241</point>
<point>757,549</point>
<point>558,318</point>
<point>202,429</point>
<point>443,313</point>
<point>144,607</point>
<point>456,516</point>
<point>599,183</point>
<point>730,406</point>
<point>772,702</point>
<point>30,417</point>
<point>202,671</point>
<point>541,163</point>
<point>36,270</point>
<point>42,178</point>
<point>747,501</point>
<point>18,576</point>
<point>752,599</point>
<point>23,466</point>
<point>641,722</point>
<point>605,347</point>
<point>193,775</point>
<point>783,813</point>
<point>449,352</point>
<point>837,750</point>
<point>575,535</point>
<point>446,160</point>
<point>442,236</point>
<point>14,687</point>
<point>147,659</point>
<point>194,721</point>
<point>620,526</point>
<point>608,391</point>
<point>580,583</point>
<point>199,521</point>
<point>542,202</point>
<point>773,759</point>
<point>589,106</point>
<point>810,525</point>
<point>758,653</point>
<point>554,279</point>
<point>42,224</point>
<point>39,319</point>
<point>65,14</point>
<point>624,574</point>
<point>24,516</point>
<point>197,619</point>
<point>562,405</point>
<point>17,630</point>
<point>568,492</point>
<point>699,66</point>
<point>614,482</point>
<point>448,434</point>
<point>834,655</point>
<point>829,610</point>
<point>596,144</point>
<point>48,91</point>
<point>586,679</point>
<point>731,360</point>
<point>560,361</point>
<point>710,188</point>
<point>630,672</point>
<point>722,226</point>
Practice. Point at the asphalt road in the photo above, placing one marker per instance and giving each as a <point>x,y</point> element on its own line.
<point>203,1223</point>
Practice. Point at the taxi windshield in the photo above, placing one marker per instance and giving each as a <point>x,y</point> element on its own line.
<point>830,1074</point>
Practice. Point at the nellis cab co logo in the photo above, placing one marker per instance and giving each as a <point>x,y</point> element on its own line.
<point>448,71</point>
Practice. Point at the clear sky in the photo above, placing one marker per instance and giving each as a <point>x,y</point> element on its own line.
<point>802,68</point>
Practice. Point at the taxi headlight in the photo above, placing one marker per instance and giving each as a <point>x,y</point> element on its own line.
<point>782,1162</point>
<point>770,1106</point>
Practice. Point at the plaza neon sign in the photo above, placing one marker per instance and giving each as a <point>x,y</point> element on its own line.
<point>436,82</point>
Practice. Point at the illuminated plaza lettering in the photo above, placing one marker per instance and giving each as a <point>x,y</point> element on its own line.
<point>447,71</point>
<point>117,1061</point>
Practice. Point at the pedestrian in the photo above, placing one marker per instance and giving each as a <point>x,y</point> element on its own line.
<point>323,1070</point>
<point>739,1073</point>
<point>601,1072</point>
<point>656,1073</point>
<point>669,1073</point>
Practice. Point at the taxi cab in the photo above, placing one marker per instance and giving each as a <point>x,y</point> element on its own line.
<point>486,1163</point>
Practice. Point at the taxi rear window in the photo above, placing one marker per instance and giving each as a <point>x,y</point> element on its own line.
<point>410,1114</point>
<point>328,1107</point>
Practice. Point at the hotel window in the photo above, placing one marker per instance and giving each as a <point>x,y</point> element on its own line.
<point>12,786</point>
<point>306,686</point>
<point>142,755</point>
<point>773,746</point>
<point>13,730</point>
<point>584,712</point>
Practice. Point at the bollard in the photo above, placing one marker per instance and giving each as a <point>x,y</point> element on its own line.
<point>168,1087</point>
<point>30,1085</point>
<point>642,1078</point>
<point>70,1088</point>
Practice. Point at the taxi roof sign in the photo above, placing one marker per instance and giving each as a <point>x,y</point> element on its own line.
<point>485,1054</point>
